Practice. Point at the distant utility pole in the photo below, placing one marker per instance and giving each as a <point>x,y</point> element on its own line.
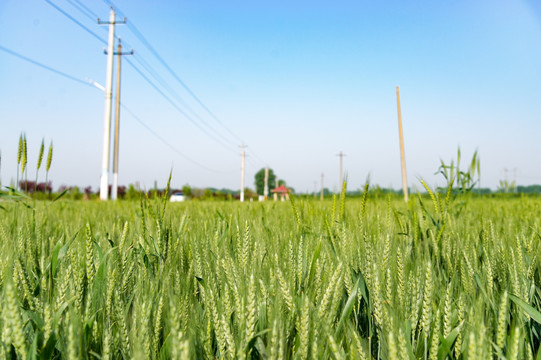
<point>266,189</point>
<point>341,185</point>
<point>243,155</point>
<point>104,181</point>
<point>402,154</point>
<point>114,190</point>
<point>321,195</point>
<point>315,189</point>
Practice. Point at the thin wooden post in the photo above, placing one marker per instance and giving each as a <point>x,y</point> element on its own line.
<point>402,154</point>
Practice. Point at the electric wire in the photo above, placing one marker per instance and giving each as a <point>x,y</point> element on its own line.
<point>89,13</point>
<point>229,147</point>
<point>76,21</point>
<point>147,44</point>
<point>93,14</point>
<point>178,108</point>
<point>148,128</point>
<point>178,98</point>
<point>168,99</point>
<point>58,72</point>
<point>85,11</point>
<point>256,157</point>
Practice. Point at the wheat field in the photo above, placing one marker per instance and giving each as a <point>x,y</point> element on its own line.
<point>451,277</point>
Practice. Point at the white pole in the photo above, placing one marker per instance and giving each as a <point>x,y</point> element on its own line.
<point>266,189</point>
<point>104,183</point>
<point>242,175</point>
<point>114,190</point>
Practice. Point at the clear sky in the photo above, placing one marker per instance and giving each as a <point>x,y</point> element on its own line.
<point>297,81</point>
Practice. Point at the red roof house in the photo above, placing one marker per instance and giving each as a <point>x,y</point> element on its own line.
<point>282,191</point>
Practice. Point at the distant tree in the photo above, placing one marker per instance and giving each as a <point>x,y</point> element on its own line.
<point>75,193</point>
<point>132,193</point>
<point>260,181</point>
<point>187,190</point>
<point>249,194</point>
<point>198,193</point>
<point>44,187</point>
<point>530,189</point>
<point>207,194</point>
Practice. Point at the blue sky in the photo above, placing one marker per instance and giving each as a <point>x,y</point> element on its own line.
<point>297,81</point>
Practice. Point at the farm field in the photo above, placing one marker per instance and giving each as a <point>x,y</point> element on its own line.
<point>367,278</point>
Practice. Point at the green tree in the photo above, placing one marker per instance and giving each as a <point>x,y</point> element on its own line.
<point>260,181</point>
<point>187,190</point>
<point>132,193</point>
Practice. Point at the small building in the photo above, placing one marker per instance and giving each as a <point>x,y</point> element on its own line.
<point>281,191</point>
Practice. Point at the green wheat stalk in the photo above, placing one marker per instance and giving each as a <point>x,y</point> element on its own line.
<point>24,161</point>
<point>48,164</point>
<point>19,157</point>
<point>40,158</point>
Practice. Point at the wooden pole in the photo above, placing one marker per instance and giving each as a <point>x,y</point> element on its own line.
<point>402,154</point>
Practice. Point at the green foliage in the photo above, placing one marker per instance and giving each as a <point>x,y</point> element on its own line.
<point>461,181</point>
<point>260,181</point>
<point>132,193</point>
<point>187,190</point>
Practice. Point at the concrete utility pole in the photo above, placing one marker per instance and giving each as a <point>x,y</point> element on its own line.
<point>321,196</point>
<point>243,155</point>
<point>114,190</point>
<point>104,181</point>
<point>402,154</point>
<point>341,185</point>
<point>266,189</point>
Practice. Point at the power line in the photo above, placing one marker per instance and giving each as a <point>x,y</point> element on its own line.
<point>89,13</point>
<point>76,21</point>
<point>147,44</point>
<point>178,108</point>
<point>58,72</point>
<point>257,157</point>
<point>148,128</point>
<point>93,14</point>
<point>150,82</point>
<point>167,143</point>
<point>83,9</point>
<point>178,98</point>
